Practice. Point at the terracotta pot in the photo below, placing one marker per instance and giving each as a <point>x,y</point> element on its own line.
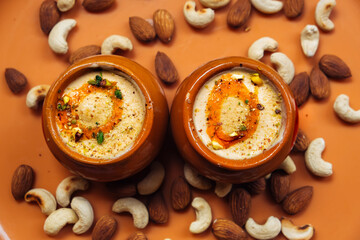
<point>204,160</point>
<point>148,142</point>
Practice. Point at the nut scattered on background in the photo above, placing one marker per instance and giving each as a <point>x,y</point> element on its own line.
<point>334,67</point>
<point>309,40</point>
<point>43,198</point>
<point>257,48</point>
<point>344,111</point>
<point>297,200</point>
<point>58,219</point>
<point>267,6</point>
<point>158,211</point>
<point>300,87</point>
<point>22,181</point>
<point>322,14</point>
<point>225,229</point>
<point>84,52</point>
<point>36,96</point>
<point>319,84</point>
<point>240,204</point>
<point>49,15</point>
<point>180,194</point>
<point>302,141</point>
<point>142,29</point>
<point>58,34</point>
<point>279,185</point>
<point>284,66</point>
<point>269,230</point>
<point>165,68</point>
<point>200,18</point>
<point>104,228</point>
<point>15,80</point>
<point>97,5</point>
<point>214,4</point>
<point>293,8</point>
<point>136,208</point>
<point>313,160</point>
<point>239,13</point>
<point>164,25</point>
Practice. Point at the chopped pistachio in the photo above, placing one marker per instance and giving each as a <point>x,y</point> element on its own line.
<point>100,137</point>
<point>246,101</point>
<point>216,145</point>
<point>233,134</point>
<point>73,121</point>
<point>255,78</point>
<point>243,128</point>
<point>66,99</point>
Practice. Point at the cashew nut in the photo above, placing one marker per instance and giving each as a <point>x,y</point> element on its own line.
<point>288,165</point>
<point>256,50</point>
<point>200,18</point>
<point>114,42</point>
<point>85,213</point>
<point>310,40</point>
<point>344,111</point>
<point>136,208</point>
<point>214,4</point>
<point>58,35</point>
<point>153,180</point>
<point>284,65</point>
<point>44,199</point>
<point>322,13</point>
<point>293,232</point>
<point>58,219</point>
<point>269,230</point>
<point>36,96</point>
<point>196,180</point>
<point>313,159</point>
<point>222,189</point>
<point>65,5</point>
<point>203,215</point>
<point>66,188</point>
<point>267,6</point>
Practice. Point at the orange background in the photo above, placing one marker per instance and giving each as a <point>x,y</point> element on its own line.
<point>334,209</point>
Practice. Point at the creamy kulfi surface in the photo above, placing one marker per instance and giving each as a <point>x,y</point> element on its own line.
<point>100,114</point>
<point>238,114</point>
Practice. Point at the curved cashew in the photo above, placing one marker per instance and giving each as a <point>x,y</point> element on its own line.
<point>114,42</point>
<point>58,35</point>
<point>222,189</point>
<point>85,213</point>
<point>36,96</point>
<point>214,4</point>
<point>313,159</point>
<point>269,230</point>
<point>200,18</point>
<point>65,5</point>
<point>256,50</point>
<point>294,232</point>
<point>153,180</point>
<point>135,207</point>
<point>267,6</point>
<point>58,219</point>
<point>66,188</point>
<point>322,13</point>
<point>203,215</point>
<point>44,198</point>
<point>288,165</point>
<point>196,180</point>
<point>285,66</point>
<point>310,40</point>
<point>344,111</point>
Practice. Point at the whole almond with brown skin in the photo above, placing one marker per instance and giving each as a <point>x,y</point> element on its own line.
<point>122,189</point>
<point>142,29</point>
<point>240,203</point>
<point>319,84</point>
<point>49,15</point>
<point>224,229</point>
<point>137,236</point>
<point>15,80</point>
<point>97,5</point>
<point>293,8</point>
<point>279,185</point>
<point>334,67</point>
<point>158,211</point>
<point>302,141</point>
<point>300,87</point>
<point>164,25</point>
<point>297,200</point>
<point>256,186</point>
<point>22,181</point>
<point>84,52</point>
<point>239,13</point>
<point>165,69</point>
<point>104,228</point>
<point>180,193</point>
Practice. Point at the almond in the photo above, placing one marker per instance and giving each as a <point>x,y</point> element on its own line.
<point>239,13</point>
<point>293,8</point>
<point>256,186</point>
<point>97,5</point>
<point>300,87</point>
<point>279,185</point>
<point>297,200</point>
<point>180,194</point>
<point>49,15</point>
<point>104,228</point>
<point>137,236</point>
<point>334,67</point>
<point>142,29</point>
<point>301,142</point>
<point>84,52</point>
<point>240,203</point>
<point>22,181</point>
<point>319,84</point>
<point>122,189</point>
<point>158,211</point>
<point>164,25</point>
<point>165,68</point>
<point>224,229</point>
<point>15,80</point>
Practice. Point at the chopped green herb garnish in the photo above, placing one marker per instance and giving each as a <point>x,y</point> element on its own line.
<point>243,128</point>
<point>246,101</point>
<point>73,121</point>
<point>59,107</point>
<point>93,82</point>
<point>100,74</point>
<point>239,103</point>
<point>97,123</point>
<point>98,78</point>
<point>118,94</point>
<point>100,137</point>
